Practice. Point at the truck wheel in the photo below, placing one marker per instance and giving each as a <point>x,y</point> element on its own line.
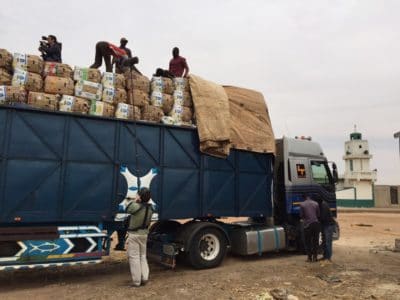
<point>207,248</point>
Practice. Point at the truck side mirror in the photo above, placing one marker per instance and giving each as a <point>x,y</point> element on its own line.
<point>335,173</point>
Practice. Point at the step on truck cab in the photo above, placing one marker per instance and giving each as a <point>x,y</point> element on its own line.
<point>63,176</point>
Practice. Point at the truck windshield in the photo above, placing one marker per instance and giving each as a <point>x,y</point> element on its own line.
<point>320,172</point>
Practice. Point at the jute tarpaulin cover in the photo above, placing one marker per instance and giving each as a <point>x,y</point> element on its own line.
<point>212,114</point>
<point>251,128</point>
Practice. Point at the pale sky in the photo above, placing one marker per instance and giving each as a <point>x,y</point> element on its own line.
<point>322,66</point>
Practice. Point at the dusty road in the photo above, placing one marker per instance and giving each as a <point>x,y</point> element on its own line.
<point>364,267</point>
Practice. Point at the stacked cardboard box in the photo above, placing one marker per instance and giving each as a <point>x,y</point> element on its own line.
<point>182,111</point>
<point>57,69</point>
<point>127,112</point>
<point>74,104</point>
<point>87,74</point>
<point>138,88</point>
<point>28,80</point>
<point>12,94</point>
<point>43,101</point>
<point>6,59</point>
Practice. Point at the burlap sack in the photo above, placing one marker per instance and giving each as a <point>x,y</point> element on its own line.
<point>5,77</point>
<point>74,104</point>
<point>135,81</point>
<point>88,90</point>
<point>30,63</point>
<point>162,84</point>
<point>183,98</point>
<point>12,94</point>
<point>114,95</point>
<point>6,59</point>
<point>100,108</point>
<point>152,113</point>
<point>165,101</point>
<point>181,84</point>
<point>138,98</point>
<point>250,123</point>
<point>212,114</point>
<point>43,101</point>
<point>87,74</point>
<point>59,85</point>
<point>30,81</point>
<point>57,69</point>
<point>113,80</point>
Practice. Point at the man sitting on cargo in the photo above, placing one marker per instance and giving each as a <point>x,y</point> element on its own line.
<point>178,65</point>
<point>106,50</point>
<point>141,211</point>
<point>119,67</point>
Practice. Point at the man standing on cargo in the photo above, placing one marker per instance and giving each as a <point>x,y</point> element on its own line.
<point>141,211</point>
<point>119,61</point>
<point>106,50</point>
<point>309,212</point>
<point>178,66</point>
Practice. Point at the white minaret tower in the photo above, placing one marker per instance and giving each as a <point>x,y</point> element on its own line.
<point>358,174</point>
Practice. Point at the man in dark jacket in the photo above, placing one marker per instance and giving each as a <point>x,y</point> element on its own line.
<point>309,212</point>
<point>51,51</point>
<point>328,225</point>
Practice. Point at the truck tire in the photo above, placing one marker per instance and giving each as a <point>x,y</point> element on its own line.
<point>207,249</point>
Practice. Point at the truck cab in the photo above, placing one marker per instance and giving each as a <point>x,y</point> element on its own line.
<point>301,168</point>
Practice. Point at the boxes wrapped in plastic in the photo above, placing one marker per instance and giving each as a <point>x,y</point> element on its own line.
<point>113,80</point>
<point>136,81</point>
<point>88,90</point>
<point>12,94</point>
<point>183,98</point>
<point>152,113</point>
<point>43,100</point>
<point>57,69</point>
<point>5,77</point>
<point>6,59</point>
<point>30,81</point>
<point>138,98</point>
<point>74,104</point>
<point>103,109</point>
<point>87,74</point>
<point>181,84</point>
<point>59,85</point>
<point>127,112</point>
<point>165,101</point>
<point>30,63</point>
<point>162,84</point>
<point>114,95</point>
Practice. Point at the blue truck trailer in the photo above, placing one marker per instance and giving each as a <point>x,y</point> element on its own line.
<point>63,175</point>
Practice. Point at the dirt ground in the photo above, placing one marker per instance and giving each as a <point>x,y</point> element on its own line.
<point>364,267</point>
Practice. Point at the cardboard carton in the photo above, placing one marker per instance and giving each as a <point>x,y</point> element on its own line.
<point>162,84</point>
<point>127,111</point>
<point>6,59</point>
<point>88,90</point>
<point>183,98</point>
<point>57,69</point>
<point>30,81</point>
<point>27,62</point>
<point>181,84</point>
<point>43,101</point>
<point>87,74</point>
<point>104,109</point>
<point>74,104</point>
<point>59,85</point>
<point>12,94</point>
<point>165,101</point>
<point>113,80</point>
<point>114,95</point>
